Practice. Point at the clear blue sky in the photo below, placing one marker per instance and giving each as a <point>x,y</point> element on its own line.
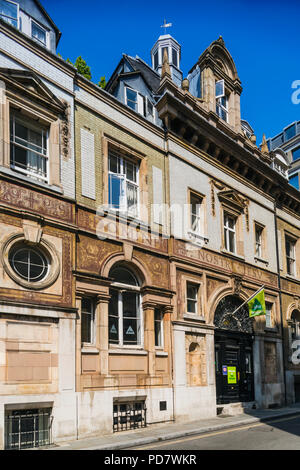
<point>262,37</point>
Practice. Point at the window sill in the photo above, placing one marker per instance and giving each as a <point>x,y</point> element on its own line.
<point>140,352</point>
<point>261,260</point>
<point>124,215</point>
<point>29,180</point>
<point>192,316</point>
<point>161,353</point>
<point>235,255</point>
<point>292,277</point>
<point>89,349</point>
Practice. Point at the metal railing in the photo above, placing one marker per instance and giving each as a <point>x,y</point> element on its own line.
<point>130,415</point>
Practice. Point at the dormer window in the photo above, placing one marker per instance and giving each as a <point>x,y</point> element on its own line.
<point>9,12</point>
<point>134,100</point>
<point>38,33</point>
<point>221,101</point>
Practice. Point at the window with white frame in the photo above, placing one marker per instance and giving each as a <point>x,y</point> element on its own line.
<point>38,33</point>
<point>192,297</point>
<point>221,100</point>
<point>196,202</point>
<point>125,315</point>
<point>258,241</point>
<point>135,100</point>
<point>158,328</point>
<point>290,256</point>
<point>295,325</point>
<point>123,184</point>
<point>9,12</point>
<point>28,148</point>
<point>229,232</point>
<point>269,308</point>
<point>87,320</point>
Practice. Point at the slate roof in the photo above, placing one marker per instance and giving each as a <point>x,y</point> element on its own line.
<point>151,77</point>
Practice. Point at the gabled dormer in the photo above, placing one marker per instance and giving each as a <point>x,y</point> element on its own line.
<point>135,84</point>
<point>29,17</point>
<point>214,79</point>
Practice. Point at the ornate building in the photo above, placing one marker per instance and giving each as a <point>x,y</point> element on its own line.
<point>135,221</point>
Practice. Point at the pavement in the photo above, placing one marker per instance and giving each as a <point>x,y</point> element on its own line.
<point>160,432</point>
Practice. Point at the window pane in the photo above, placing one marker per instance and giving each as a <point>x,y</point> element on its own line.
<point>129,304</point>
<point>231,242</point>
<point>130,333</point>
<point>130,171</point>
<point>114,163</point>
<point>114,191</point>
<point>191,306</point>
<point>9,12</point>
<point>131,98</point>
<point>113,320</point>
<point>296,153</point>
<point>290,132</point>
<point>158,328</point>
<point>38,33</point>
<point>174,57</point>
<point>220,90</point>
<point>86,327</point>
<point>155,60</point>
<point>132,199</point>
<point>294,180</point>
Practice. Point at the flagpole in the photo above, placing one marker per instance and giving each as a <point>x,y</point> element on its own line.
<point>246,301</point>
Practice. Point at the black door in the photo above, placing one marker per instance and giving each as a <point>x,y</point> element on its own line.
<point>234,367</point>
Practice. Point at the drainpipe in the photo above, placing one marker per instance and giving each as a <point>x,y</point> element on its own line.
<point>280,300</point>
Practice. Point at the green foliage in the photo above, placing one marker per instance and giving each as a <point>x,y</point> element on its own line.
<point>102,82</point>
<point>83,68</point>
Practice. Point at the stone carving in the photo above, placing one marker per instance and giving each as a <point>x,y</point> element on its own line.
<point>42,204</point>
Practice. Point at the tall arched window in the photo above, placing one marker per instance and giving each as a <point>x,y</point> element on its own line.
<point>125,317</point>
<point>295,325</point>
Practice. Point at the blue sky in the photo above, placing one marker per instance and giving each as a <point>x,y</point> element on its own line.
<point>262,37</point>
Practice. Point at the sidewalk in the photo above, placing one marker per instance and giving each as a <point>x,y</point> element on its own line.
<point>161,432</point>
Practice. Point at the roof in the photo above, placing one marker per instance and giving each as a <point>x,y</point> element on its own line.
<point>151,78</point>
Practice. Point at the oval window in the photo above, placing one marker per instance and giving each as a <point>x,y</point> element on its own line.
<point>29,263</point>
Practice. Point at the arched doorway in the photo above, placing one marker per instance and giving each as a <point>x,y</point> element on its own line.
<point>233,352</point>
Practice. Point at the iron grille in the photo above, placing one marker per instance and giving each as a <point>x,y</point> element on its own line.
<point>28,428</point>
<point>130,415</point>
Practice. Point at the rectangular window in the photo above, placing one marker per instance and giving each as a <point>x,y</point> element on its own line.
<point>258,241</point>
<point>87,320</point>
<point>294,181</point>
<point>38,33</point>
<point>174,57</point>
<point>155,60</point>
<point>290,132</point>
<point>269,307</point>
<point>290,256</point>
<point>124,319</point>
<point>192,297</point>
<point>9,12</point>
<point>222,108</point>
<point>220,89</point>
<point>135,100</point>
<point>28,428</point>
<point>158,328</point>
<point>229,232</point>
<point>123,187</point>
<point>296,153</point>
<point>196,213</point>
<point>29,148</point>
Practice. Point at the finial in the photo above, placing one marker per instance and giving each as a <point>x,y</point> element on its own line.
<point>264,146</point>
<point>221,40</point>
<point>166,66</point>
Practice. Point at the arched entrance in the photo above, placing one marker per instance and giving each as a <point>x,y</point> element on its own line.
<point>233,352</point>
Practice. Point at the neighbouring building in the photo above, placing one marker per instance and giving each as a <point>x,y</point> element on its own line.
<point>289,142</point>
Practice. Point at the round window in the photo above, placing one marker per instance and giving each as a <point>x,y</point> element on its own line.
<point>29,263</point>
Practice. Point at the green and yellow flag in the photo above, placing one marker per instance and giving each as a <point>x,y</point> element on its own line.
<point>257,304</point>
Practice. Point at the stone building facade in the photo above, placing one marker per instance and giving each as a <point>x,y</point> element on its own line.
<point>135,222</point>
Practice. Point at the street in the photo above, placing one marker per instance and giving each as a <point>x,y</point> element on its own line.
<point>278,434</point>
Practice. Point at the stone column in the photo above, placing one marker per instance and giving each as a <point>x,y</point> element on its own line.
<point>149,339</point>
<point>101,324</point>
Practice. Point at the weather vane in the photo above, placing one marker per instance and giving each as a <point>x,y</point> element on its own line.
<point>166,25</point>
